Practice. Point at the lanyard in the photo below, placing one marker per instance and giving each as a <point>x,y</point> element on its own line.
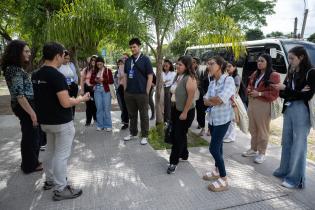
<point>258,80</point>
<point>133,62</point>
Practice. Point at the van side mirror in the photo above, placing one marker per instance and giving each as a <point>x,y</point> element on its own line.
<point>273,52</point>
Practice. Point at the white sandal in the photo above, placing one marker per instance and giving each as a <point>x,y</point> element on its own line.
<point>218,186</point>
<point>211,175</point>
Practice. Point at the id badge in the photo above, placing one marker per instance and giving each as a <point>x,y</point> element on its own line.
<point>131,74</point>
<point>68,80</point>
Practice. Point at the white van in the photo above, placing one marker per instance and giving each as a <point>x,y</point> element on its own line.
<point>277,48</point>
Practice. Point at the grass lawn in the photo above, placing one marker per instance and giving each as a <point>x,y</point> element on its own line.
<point>156,139</point>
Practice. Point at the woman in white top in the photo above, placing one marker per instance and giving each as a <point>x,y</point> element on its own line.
<point>68,70</point>
<point>168,78</point>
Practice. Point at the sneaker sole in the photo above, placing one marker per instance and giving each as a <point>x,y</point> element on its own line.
<point>253,155</point>
<point>60,198</point>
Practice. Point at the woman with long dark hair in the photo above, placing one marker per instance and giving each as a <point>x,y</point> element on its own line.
<point>87,86</point>
<point>261,94</point>
<point>102,78</point>
<point>183,110</point>
<point>297,90</point>
<point>168,79</point>
<point>220,114</point>
<point>16,56</point>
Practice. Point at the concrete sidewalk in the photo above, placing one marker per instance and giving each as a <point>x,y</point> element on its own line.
<point>125,175</point>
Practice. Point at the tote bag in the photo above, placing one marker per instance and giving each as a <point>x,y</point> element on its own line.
<point>276,108</point>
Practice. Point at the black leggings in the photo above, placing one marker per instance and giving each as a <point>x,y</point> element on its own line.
<point>90,105</point>
<point>179,148</point>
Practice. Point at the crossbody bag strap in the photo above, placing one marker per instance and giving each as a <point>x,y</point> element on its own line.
<point>137,66</point>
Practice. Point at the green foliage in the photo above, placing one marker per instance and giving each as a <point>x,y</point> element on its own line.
<point>82,24</point>
<point>254,34</point>
<point>184,38</point>
<point>156,139</point>
<point>9,17</point>
<point>311,38</point>
<point>221,29</point>
<point>275,34</point>
<point>243,12</point>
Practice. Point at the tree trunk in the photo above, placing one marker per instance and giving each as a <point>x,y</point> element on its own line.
<point>74,59</point>
<point>159,94</point>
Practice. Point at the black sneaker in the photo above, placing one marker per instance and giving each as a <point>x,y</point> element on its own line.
<point>124,127</point>
<point>67,193</point>
<point>171,169</point>
<point>42,148</point>
<point>48,185</point>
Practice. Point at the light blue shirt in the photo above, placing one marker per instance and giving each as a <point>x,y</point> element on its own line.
<point>224,88</point>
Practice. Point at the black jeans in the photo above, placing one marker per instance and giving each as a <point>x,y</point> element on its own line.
<point>179,147</point>
<point>90,105</point>
<point>73,92</point>
<point>124,111</point>
<point>30,140</point>
<point>201,112</point>
<point>216,146</point>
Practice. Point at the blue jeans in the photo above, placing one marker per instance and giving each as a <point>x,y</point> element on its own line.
<point>296,127</point>
<point>216,146</point>
<point>103,107</point>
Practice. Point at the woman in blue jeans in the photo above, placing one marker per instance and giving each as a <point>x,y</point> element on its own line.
<point>102,78</point>
<point>297,90</point>
<point>220,115</point>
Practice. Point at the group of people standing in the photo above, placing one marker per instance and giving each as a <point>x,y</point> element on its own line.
<point>45,102</point>
<point>218,88</point>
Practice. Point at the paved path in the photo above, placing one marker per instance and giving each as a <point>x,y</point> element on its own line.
<point>118,175</point>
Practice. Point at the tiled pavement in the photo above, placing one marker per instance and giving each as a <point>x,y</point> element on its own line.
<point>118,175</point>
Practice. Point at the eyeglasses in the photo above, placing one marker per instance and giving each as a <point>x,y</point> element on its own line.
<point>211,63</point>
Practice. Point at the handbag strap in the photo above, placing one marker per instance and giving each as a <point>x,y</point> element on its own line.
<point>308,72</point>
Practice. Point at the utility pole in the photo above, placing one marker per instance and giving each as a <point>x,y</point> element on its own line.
<point>304,23</point>
<point>295,28</point>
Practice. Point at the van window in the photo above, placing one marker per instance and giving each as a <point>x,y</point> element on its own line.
<point>310,48</point>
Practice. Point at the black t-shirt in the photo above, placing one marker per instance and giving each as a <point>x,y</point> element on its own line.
<point>137,74</point>
<point>47,82</point>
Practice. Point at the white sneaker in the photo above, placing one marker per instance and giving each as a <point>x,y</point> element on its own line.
<point>228,140</point>
<point>144,141</point>
<point>249,153</point>
<point>287,185</point>
<point>98,128</point>
<point>130,137</point>
<point>260,158</point>
<point>108,129</point>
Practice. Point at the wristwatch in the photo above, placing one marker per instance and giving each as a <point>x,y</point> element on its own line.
<point>259,94</point>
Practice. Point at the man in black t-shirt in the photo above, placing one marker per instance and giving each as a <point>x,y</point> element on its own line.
<point>138,82</point>
<point>55,116</point>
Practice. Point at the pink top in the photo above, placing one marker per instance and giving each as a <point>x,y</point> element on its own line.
<point>86,75</point>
